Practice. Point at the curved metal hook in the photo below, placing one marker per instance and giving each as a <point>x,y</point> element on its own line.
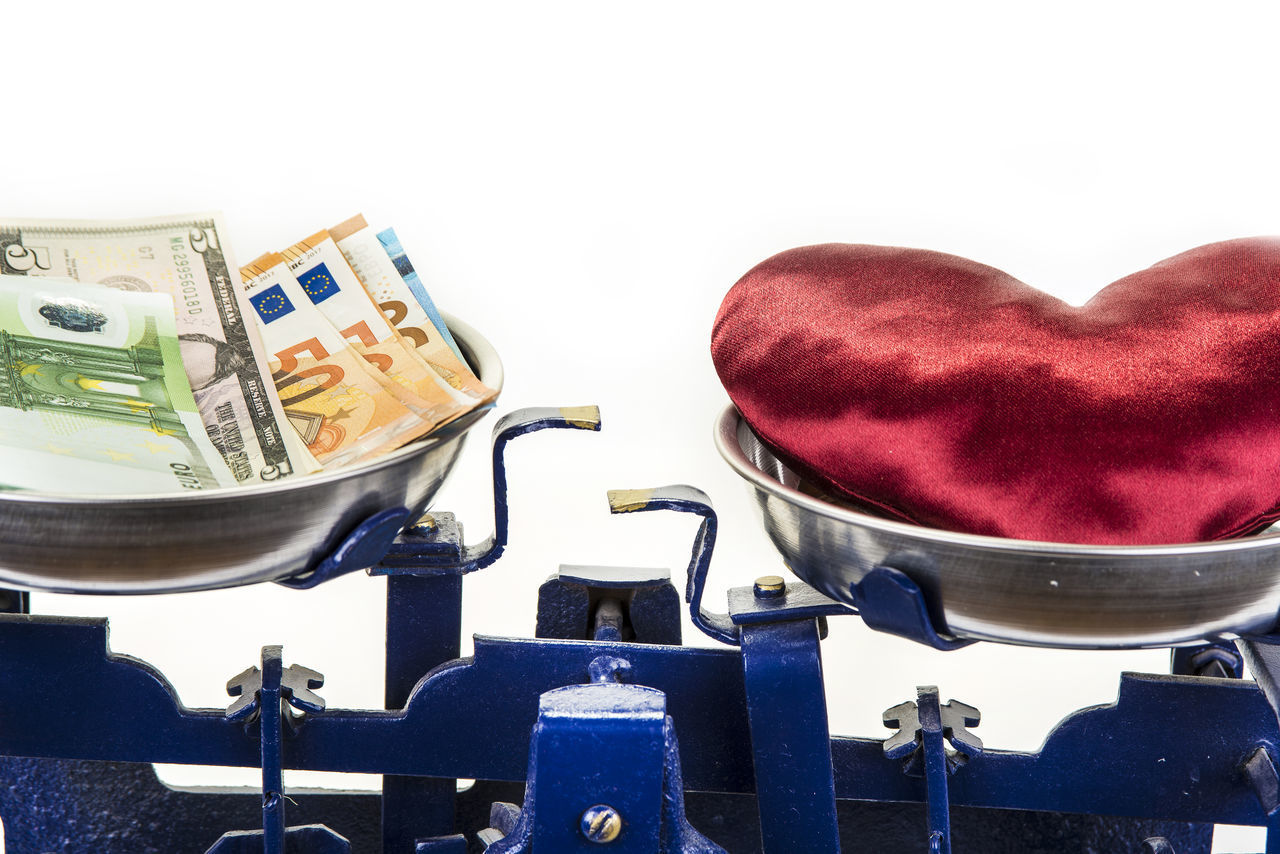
<point>378,544</point>
<point>438,547</point>
<point>518,423</point>
<point>685,499</point>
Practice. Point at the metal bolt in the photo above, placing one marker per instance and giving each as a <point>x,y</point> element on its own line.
<point>601,824</point>
<point>424,526</point>
<point>770,586</point>
<point>1260,770</point>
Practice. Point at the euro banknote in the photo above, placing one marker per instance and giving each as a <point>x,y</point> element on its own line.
<point>93,395</point>
<point>335,290</point>
<point>187,258</point>
<point>331,395</point>
<point>391,245</point>
<point>383,284</point>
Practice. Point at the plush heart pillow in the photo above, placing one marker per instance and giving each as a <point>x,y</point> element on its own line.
<point>940,391</point>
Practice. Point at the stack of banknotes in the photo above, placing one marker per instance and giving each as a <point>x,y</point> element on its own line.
<point>137,358</point>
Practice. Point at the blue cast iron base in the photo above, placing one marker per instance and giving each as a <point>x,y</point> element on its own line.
<point>87,807</point>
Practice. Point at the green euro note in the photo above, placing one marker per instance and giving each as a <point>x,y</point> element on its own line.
<point>93,394</point>
<point>186,257</point>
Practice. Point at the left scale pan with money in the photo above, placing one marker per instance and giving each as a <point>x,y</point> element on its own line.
<point>142,446</point>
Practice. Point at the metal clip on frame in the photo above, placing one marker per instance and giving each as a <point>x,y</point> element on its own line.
<point>685,499</point>
<point>435,544</point>
<point>889,601</point>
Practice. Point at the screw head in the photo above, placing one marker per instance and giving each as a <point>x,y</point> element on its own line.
<point>601,824</point>
<point>425,525</point>
<point>769,586</point>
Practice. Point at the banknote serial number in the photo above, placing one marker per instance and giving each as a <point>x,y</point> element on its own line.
<point>187,284</point>
<point>187,478</point>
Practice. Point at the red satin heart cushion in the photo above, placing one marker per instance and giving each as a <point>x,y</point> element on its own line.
<point>940,391</point>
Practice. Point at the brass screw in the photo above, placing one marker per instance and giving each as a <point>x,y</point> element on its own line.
<point>770,586</point>
<point>601,824</point>
<point>424,526</point>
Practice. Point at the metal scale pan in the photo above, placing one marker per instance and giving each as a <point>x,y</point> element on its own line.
<point>223,537</point>
<point>1016,591</point>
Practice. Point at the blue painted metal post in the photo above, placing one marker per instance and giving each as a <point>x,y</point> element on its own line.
<point>424,628</point>
<point>933,745</point>
<point>790,739</point>
<point>270,723</point>
<point>1262,655</point>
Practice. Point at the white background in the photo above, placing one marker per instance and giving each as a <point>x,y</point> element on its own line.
<point>584,181</point>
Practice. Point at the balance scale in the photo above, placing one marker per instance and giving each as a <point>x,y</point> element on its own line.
<point>602,733</point>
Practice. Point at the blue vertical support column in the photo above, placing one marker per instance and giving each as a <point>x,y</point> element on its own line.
<point>1262,656</point>
<point>263,699</point>
<point>924,728</point>
<point>790,739</point>
<point>272,749</point>
<point>424,629</point>
<point>934,749</point>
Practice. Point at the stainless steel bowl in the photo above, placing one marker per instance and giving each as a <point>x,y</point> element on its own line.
<point>223,537</point>
<point>1017,591</point>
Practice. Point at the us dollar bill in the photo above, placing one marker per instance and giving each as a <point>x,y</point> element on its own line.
<point>186,257</point>
<point>93,395</point>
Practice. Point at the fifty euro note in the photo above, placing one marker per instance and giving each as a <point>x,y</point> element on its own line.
<point>333,287</point>
<point>93,395</point>
<point>187,258</point>
<point>335,399</point>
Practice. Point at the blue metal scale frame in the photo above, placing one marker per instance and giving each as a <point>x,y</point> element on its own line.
<point>604,734</point>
